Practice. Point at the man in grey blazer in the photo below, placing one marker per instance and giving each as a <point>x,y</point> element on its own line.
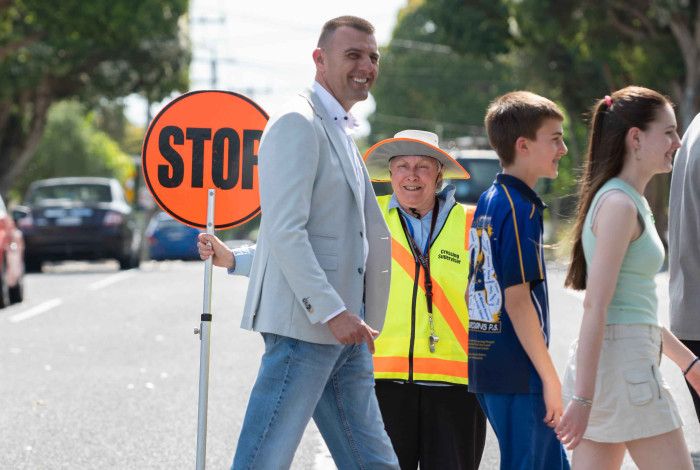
<point>320,272</point>
<point>684,249</point>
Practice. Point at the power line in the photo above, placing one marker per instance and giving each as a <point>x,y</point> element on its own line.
<point>286,25</point>
<point>421,46</point>
<point>422,122</point>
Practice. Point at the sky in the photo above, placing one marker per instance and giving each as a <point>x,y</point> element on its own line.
<point>262,48</point>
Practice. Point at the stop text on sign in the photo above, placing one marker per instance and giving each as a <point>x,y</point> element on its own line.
<point>228,157</point>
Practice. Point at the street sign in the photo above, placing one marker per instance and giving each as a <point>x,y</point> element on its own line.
<point>205,140</point>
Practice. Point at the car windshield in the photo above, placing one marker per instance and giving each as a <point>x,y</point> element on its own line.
<point>482,172</point>
<point>72,192</point>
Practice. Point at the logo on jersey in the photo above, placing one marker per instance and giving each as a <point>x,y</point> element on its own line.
<point>485,296</point>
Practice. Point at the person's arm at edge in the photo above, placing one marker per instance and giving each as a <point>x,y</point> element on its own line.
<point>615,226</point>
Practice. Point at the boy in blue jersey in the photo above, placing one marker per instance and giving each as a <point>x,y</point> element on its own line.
<point>510,368</point>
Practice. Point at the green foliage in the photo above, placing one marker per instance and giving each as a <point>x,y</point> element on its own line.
<point>571,51</point>
<point>110,118</point>
<point>479,28</point>
<point>73,146</point>
<point>90,51</point>
<point>424,85</point>
<point>96,48</point>
<point>133,139</point>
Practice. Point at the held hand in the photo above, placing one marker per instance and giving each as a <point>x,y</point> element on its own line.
<point>551,392</point>
<point>573,424</point>
<point>348,328</point>
<point>210,245</point>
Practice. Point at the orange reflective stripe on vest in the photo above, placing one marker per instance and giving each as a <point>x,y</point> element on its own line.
<point>423,365</point>
<point>405,259</point>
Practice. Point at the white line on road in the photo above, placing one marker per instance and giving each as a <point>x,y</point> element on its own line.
<point>111,280</point>
<point>37,310</point>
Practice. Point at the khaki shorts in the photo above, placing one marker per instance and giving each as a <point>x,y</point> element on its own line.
<point>631,399</point>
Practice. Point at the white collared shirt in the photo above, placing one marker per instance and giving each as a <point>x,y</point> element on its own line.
<point>346,124</point>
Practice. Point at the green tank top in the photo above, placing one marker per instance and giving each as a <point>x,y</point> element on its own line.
<point>634,300</point>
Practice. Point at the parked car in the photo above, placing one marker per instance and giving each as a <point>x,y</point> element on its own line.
<point>170,239</point>
<point>11,260</point>
<point>81,218</point>
<point>483,166</point>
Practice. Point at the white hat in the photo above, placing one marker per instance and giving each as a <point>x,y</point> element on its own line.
<point>413,143</point>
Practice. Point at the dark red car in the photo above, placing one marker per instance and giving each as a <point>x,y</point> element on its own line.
<point>11,260</point>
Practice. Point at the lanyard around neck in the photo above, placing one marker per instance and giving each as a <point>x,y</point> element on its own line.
<point>423,258</point>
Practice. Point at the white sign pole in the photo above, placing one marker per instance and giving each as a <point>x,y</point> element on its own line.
<point>204,332</point>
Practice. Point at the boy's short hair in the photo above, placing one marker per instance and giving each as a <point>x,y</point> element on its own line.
<point>330,26</point>
<point>516,114</point>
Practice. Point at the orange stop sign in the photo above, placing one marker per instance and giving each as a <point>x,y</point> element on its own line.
<point>205,140</point>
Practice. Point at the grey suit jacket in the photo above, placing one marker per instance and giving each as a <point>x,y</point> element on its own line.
<point>309,257</point>
<point>684,236</point>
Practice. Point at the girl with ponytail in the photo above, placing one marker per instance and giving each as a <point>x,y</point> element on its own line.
<point>615,397</point>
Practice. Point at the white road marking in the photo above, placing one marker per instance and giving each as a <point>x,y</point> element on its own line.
<point>37,310</point>
<point>111,280</point>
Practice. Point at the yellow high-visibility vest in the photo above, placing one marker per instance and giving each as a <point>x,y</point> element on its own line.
<point>402,348</point>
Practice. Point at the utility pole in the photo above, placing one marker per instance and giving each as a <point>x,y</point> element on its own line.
<point>214,76</point>
<point>207,42</point>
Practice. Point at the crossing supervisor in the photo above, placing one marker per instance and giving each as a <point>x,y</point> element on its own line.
<point>420,362</point>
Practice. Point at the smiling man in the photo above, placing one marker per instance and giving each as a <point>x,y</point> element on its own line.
<point>320,274</point>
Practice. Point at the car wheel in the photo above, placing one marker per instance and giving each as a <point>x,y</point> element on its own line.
<point>128,261</point>
<point>4,290</point>
<point>17,292</point>
<point>136,259</point>
<point>124,262</point>
<point>32,265</point>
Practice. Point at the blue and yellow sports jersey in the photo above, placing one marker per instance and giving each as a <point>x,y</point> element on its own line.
<point>505,243</point>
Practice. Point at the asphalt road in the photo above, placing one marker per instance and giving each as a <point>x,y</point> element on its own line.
<point>99,369</point>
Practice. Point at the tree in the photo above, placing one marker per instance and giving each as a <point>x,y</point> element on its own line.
<point>51,51</point>
<point>668,32</point>
<point>71,145</point>
<point>427,85</point>
<point>110,118</point>
<point>577,51</point>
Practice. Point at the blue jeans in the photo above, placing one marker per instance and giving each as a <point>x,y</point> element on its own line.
<point>334,384</point>
<point>525,442</point>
